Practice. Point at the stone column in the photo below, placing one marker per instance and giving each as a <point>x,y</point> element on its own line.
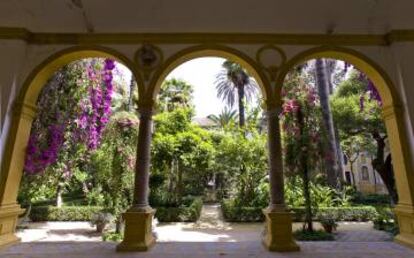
<point>278,228</point>
<point>143,159</point>
<point>138,234</point>
<point>12,169</point>
<point>404,177</point>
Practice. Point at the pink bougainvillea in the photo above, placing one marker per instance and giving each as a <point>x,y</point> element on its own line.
<point>91,114</point>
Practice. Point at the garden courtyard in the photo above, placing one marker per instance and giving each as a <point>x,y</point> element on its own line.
<point>205,179</point>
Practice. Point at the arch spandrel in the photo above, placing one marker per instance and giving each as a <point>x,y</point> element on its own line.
<point>38,77</point>
<point>374,71</point>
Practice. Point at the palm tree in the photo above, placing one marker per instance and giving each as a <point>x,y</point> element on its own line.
<point>226,117</point>
<point>234,82</point>
<point>175,93</point>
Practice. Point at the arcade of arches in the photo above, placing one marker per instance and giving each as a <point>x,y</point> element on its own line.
<point>29,59</point>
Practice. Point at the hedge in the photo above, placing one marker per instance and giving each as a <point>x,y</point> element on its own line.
<point>233,213</point>
<point>65,213</point>
<point>353,213</point>
<point>183,213</point>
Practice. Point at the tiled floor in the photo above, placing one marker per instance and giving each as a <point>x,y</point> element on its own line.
<point>209,249</point>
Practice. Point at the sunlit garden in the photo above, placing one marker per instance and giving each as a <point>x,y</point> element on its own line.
<point>82,151</point>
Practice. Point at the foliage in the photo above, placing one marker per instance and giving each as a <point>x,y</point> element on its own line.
<point>175,93</point>
<point>64,213</point>
<point>112,165</point>
<point>386,220</point>
<point>355,213</point>
<point>112,236</point>
<point>353,110</point>
<point>182,155</point>
<point>232,83</point>
<point>74,108</point>
<point>188,211</point>
<point>225,119</point>
<point>243,161</point>
<point>235,213</point>
<point>328,221</point>
<point>101,218</point>
<point>356,107</point>
<point>316,235</point>
<point>371,199</point>
<point>300,98</point>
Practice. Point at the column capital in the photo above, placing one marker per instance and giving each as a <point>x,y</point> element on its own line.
<point>390,111</point>
<point>146,111</point>
<point>25,110</point>
<point>273,111</point>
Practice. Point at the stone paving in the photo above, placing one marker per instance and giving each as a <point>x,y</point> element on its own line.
<point>208,249</point>
<point>209,237</point>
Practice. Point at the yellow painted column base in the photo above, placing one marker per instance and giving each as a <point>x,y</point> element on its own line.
<point>278,232</point>
<point>8,221</point>
<point>138,236</point>
<point>405,217</point>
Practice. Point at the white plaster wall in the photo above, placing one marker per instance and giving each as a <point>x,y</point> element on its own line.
<point>12,59</point>
<point>404,60</point>
<point>294,16</point>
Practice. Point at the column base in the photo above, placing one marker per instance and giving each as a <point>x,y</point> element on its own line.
<point>138,236</point>
<point>405,217</point>
<point>8,221</point>
<point>278,235</point>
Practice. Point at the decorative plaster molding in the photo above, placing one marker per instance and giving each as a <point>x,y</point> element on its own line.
<point>212,38</point>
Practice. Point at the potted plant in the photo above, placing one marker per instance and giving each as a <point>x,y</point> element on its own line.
<point>101,219</point>
<point>328,223</point>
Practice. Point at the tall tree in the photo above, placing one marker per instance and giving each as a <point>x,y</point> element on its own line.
<point>330,149</point>
<point>356,107</point>
<point>175,93</point>
<point>232,83</point>
<point>301,133</point>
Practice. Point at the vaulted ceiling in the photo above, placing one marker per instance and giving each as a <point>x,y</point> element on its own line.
<point>269,16</point>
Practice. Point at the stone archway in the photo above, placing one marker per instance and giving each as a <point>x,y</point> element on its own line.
<point>392,112</point>
<point>23,114</point>
<point>278,236</point>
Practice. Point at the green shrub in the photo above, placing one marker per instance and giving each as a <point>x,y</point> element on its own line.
<point>189,211</point>
<point>112,236</point>
<point>234,213</point>
<point>386,220</point>
<point>371,199</point>
<point>355,213</point>
<point>316,235</point>
<point>65,213</point>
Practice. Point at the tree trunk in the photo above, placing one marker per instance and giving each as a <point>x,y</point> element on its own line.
<point>384,167</point>
<point>305,177</point>
<point>85,188</point>
<point>330,150</point>
<point>119,225</point>
<point>179,183</point>
<point>240,92</point>
<point>59,191</point>
<point>131,92</point>
<point>351,163</point>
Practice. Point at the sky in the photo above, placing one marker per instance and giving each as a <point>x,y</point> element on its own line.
<point>201,73</point>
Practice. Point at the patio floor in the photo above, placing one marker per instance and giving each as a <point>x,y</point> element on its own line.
<point>208,249</point>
